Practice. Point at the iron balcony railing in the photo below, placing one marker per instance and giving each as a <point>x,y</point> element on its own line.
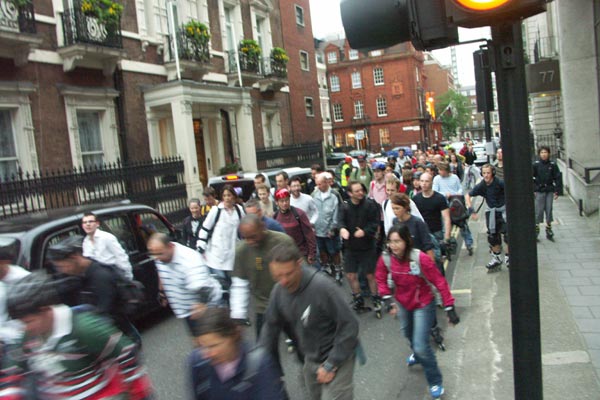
<point>17,18</point>
<point>295,155</point>
<point>81,28</point>
<point>187,48</point>
<point>264,66</point>
<point>545,48</point>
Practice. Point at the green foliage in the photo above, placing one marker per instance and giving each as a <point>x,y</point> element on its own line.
<point>197,32</point>
<point>279,55</point>
<point>20,3</point>
<point>230,169</point>
<point>454,117</point>
<point>250,48</point>
<point>107,12</point>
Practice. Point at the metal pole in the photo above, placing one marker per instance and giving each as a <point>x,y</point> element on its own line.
<point>524,289</point>
<point>173,32</point>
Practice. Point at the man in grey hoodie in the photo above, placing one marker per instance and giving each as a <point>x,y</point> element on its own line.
<point>314,308</point>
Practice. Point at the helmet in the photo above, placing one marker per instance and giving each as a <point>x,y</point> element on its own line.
<point>282,194</point>
<point>65,248</point>
<point>29,294</point>
<point>348,159</point>
<point>379,165</point>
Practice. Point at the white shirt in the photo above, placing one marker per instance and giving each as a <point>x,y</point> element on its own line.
<point>106,249</point>
<point>10,330</point>
<point>307,204</point>
<point>183,277</point>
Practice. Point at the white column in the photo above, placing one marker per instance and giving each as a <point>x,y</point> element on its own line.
<point>244,132</point>
<point>186,146</point>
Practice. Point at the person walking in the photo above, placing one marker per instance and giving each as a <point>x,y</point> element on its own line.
<point>412,273</point>
<point>192,224</point>
<point>225,367</point>
<point>303,201</point>
<point>185,282</point>
<point>547,181</point>
<point>362,174</point>
<point>314,308</point>
<point>219,235</point>
<point>326,227</point>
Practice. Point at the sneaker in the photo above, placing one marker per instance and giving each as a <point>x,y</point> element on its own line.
<point>436,391</point>
<point>507,261</point>
<point>494,262</point>
<point>549,233</point>
<point>411,360</point>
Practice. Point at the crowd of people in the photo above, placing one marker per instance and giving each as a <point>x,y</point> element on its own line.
<point>278,260</point>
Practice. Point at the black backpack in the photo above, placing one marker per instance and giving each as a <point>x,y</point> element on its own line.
<point>131,294</point>
<point>458,210</point>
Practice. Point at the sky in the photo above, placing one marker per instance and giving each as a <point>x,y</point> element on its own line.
<point>326,21</point>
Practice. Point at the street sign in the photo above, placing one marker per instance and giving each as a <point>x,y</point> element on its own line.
<point>360,134</point>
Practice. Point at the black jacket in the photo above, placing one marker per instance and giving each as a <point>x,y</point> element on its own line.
<point>366,216</point>
<point>189,236</point>
<point>547,177</point>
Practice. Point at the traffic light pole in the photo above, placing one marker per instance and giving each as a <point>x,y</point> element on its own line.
<point>524,288</point>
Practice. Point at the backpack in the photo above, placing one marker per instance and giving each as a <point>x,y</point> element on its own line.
<point>415,265</point>
<point>297,216</point>
<point>209,232</point>
<point>131,294</point>
<point>458,210</point>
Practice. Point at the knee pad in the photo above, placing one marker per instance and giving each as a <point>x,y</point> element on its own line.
<point>494,239</point>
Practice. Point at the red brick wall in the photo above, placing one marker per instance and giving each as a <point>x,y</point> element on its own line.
<point>301,83</point>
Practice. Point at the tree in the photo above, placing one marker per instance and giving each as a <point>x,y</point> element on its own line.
<point>454,112</point>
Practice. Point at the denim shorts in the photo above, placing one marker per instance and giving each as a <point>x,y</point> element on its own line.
<point>330,245</point>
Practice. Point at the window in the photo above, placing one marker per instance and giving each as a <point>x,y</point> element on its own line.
<point>229,29</point>
<point>376,53</point>
<point>325,111</point>
<point>304,60</point>
<point>119,226</point>
<point>260,32</point>
<point>299,15</point>
<point>337,112</point>
<point>90,139</point>
<point>148,224</point>
<point>384,136</point>
<point>378,76</point>
<point>8,148</point>
<point>334,83</point>
<point>381,107</point>
<point>356,82</point>
<point>332,57</point>
<point>308,106</point>
<point>359,109</point>
<point>353,54</point>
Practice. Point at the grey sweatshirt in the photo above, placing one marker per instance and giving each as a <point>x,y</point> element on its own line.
<point>319,317</point>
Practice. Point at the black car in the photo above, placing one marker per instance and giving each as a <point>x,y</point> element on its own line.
<point>132,224</point>
<point>335,158</point>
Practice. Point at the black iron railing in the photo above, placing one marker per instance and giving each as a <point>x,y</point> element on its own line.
<point>274,68</point>
<point>588,173</point>
<point>249,64</point>
<point>158,183</point>
<point>17,18</point>
<point>188,49</point>
<point>297,155</point>
<point>545,48</point>
<point>81,28</point>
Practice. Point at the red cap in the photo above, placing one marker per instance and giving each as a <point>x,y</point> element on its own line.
<point>282,194</point>
<point>348,159</point>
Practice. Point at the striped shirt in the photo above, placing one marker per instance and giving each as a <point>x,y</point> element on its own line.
<point>183,277</point>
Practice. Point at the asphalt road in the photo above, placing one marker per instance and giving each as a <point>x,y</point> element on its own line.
<point>385,376</point>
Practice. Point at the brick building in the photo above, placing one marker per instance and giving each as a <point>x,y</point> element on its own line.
<point>78,90</point>
<point>439,78</point>
<point>377,100</point>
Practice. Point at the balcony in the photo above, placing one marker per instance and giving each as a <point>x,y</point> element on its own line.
<point>275,75</point>
<point>90,43</point>
<point>17,32</point>
<point>194,58</point>
<point>250,69</point>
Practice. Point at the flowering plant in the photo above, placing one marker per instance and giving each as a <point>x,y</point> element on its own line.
<point>197,32</point>
<point>279,55</point>
<point>107,12</point>
<point>250,48</point>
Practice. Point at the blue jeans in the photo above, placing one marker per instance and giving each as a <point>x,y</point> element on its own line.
<point>467,235</point>
<point>416,326</point>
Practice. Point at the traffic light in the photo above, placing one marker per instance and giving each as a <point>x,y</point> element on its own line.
<point>483,80</point>
<point>428,24</point>
<point>474,13</point>
<point>430,104</point>
<point>377,24</point>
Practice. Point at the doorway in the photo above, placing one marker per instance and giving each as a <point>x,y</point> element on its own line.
<point>200,153</point>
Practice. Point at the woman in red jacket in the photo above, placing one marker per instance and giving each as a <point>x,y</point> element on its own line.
<point>411,272</point>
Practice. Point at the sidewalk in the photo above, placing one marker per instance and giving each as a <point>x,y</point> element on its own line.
<point>569,281</point>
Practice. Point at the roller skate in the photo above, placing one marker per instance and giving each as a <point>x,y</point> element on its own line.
<point>549,233</point>
<point>436,391</point>
<point>436,334</point>
<point>358,304</point>
<point>495,263</point>
<point>377,306</point>
<point>337,273</point>
<point>506,261</point>
<point>291,346</point>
